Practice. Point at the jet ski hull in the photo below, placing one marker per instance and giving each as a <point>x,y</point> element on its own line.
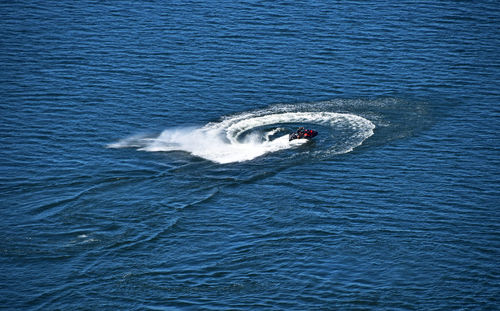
<point>308,134</point>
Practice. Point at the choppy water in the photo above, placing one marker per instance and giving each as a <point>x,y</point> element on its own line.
<point>145,163</point>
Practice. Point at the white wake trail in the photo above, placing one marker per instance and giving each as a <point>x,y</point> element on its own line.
<point>237,139</point>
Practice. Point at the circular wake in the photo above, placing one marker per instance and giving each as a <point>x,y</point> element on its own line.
<point>249,135</point>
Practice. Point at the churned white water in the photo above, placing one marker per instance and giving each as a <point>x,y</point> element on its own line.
<point>237,138</point>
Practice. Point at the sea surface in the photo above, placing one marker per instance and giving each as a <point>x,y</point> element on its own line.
<point>145,161</point>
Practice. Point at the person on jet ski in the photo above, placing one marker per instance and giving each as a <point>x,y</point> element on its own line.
<point>302,133</point>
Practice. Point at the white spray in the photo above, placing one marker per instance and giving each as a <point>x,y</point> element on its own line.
<point>221,142</point>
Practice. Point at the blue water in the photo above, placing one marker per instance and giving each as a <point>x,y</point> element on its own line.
<point>145,163</point>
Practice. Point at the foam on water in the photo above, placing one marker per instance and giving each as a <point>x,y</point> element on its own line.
<point>240,138</point>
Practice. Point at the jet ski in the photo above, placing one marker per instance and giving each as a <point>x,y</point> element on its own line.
<point>302,134</point>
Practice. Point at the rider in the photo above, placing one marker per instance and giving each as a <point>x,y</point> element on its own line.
<point>301,131</point>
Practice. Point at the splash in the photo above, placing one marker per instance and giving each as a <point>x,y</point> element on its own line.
<point>250,135</point>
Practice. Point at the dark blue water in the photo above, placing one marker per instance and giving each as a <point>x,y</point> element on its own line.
<point>145,163</point>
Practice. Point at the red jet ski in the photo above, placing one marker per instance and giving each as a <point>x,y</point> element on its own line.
<point>302,133</point>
